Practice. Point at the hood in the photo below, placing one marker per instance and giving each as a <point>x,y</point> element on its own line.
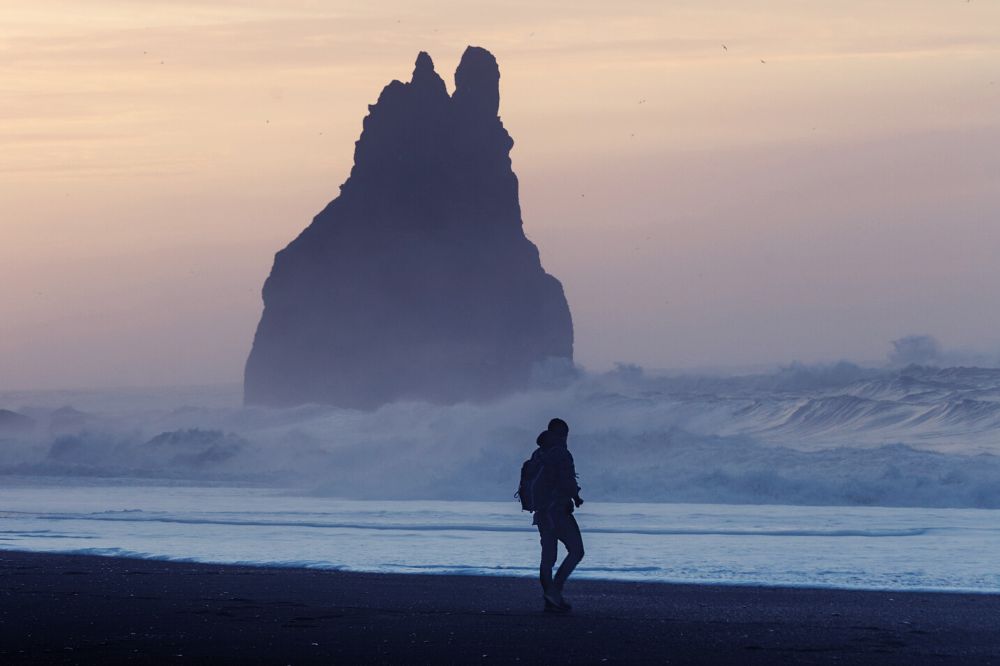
<point>548,438</point>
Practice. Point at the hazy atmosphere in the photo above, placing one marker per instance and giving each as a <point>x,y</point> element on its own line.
<point>714,183</point>
<point>365,331</point>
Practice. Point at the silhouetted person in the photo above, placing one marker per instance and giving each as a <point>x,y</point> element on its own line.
<point>558,494</point>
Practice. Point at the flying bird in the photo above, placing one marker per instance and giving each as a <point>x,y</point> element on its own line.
<point>763,62</point>
<point>725,48</point>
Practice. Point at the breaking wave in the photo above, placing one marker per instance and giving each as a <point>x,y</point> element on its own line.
<point>837,435</point>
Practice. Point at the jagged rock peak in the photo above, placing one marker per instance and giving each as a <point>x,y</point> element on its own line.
<point>417,282</point>
<point>424,63</point>
<point>477,81</point>
<point>425,76</point>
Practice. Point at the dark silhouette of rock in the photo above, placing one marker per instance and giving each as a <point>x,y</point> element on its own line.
<point>13,422</point>
<point>417,282</point>
<point>69,419</point>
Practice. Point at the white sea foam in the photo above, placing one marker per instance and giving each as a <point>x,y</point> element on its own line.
<point>837,435</point>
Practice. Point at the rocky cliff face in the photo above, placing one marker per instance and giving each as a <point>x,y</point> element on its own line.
<point>417,282</point>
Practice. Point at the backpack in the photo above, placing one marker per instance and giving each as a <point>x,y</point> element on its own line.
<point>530,490</point>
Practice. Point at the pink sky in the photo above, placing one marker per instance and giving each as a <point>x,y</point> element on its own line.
<point>701,208</point>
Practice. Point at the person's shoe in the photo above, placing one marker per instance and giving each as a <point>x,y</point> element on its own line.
<point>554,600</point>
<point>552,608</point>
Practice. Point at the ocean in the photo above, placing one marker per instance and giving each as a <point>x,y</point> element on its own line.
<point>834,476</point>
<point>840,547</point>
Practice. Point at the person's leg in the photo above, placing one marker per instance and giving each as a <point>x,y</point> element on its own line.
<point>547,537</point>
<point>568,532</point>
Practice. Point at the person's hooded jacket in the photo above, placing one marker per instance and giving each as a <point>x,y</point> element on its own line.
<point>558,472</point>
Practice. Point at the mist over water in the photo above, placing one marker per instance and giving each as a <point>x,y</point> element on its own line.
<point>831,435</point>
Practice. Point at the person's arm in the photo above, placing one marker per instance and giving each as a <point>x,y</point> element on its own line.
<point>568,486</point>
<point>577,500</point>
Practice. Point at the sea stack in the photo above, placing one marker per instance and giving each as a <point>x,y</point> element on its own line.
<point>417,282</point>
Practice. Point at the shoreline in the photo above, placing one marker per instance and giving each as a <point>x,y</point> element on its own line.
<point>92,609</point>
<point>329,568</point>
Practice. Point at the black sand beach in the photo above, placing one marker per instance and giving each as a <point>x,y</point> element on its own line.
<point>83,609</point>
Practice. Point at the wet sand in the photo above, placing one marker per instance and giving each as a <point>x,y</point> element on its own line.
<point>86,609</point>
